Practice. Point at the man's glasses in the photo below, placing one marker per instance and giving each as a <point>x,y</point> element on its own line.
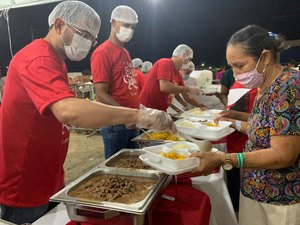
<point>86,35</point>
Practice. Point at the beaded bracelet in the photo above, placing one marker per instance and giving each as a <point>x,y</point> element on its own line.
<point>240,159</point>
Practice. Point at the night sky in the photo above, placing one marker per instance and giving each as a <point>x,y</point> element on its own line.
<point>204,25</point>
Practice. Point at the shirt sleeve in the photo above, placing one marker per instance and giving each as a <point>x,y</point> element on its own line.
<point>285,108</point>
<point>101,67</point>
<point>45,81</point>
<point>164,70</point>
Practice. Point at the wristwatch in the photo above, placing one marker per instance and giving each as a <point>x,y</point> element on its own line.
<point>228,165</point>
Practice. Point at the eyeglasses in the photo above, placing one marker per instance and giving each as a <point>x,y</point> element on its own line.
<point>87,35</point>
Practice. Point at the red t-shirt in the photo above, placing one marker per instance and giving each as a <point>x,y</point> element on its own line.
<point>140,77</point>
<point>151,96</point>
<point>33,143</point>
<point>112,64</point>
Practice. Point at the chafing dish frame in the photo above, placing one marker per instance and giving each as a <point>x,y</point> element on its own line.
<point>126,152</point>
<point>138,210</point>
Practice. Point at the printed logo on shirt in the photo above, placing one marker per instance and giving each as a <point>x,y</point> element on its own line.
<point>128,77</point>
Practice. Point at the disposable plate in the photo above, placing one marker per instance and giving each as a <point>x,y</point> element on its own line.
<point>167,170</point>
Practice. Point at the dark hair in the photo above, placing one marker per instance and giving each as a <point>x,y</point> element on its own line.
<point>254,39</point>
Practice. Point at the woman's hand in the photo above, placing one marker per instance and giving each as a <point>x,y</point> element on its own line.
<point>208,161</point>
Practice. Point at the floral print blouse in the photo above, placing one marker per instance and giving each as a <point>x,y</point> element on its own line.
<point>277,112</point>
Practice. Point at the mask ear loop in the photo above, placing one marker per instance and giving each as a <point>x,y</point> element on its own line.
<point>264,69</point>
<point>265,64</point>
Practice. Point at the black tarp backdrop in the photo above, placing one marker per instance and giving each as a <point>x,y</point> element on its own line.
<point>205,25</point>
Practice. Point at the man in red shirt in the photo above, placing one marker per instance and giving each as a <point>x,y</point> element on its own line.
<point>114,78</point>
<point>164,81</point>
<point>37,106</point>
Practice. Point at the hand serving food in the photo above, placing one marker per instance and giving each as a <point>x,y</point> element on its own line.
<point>156,120</point>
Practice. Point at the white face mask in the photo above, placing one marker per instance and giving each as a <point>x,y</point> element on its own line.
<point>78,49</point>
<point>185,66</point>
<point>125,34</point>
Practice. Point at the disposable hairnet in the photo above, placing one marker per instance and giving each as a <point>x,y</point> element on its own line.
<point>77,14</point>
<point>182,49</point>
<point>191,66</point>
<point>137,62</point>
<point>124,14</point>
<point>147,65</point>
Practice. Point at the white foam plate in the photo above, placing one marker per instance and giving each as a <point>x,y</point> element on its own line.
<point>167,170</point>
<point>210,137</point>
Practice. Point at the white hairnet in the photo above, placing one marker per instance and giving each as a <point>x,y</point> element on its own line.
<point>147,65</point>
<point>124,14</point>
<point>182,49</point>
<point>191,66</point>
<point>77,14</point>
<point>137,62</point>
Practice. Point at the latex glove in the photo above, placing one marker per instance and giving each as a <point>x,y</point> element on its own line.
<point>156,120</point>
<point>131,126</point>
<point>194,90</point>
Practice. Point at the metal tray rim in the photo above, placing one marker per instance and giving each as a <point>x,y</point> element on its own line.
<point>136,208</point>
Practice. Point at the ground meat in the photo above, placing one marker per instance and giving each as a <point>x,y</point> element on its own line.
<point>113,188</point>
<point>134,163</point>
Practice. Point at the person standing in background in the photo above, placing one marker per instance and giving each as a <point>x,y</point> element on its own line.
<point>164,81</point>
<point>147,65</point>
<point>226,81</point>
<point>137,64</point>
<point>179,104</point>
<point>114,78</point>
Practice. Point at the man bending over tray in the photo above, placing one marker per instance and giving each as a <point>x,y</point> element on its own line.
<point>164,81</point>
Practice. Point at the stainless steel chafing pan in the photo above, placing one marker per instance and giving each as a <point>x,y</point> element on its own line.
<point>143,140</point>
<point>127,159</point>
<point>84,210</point>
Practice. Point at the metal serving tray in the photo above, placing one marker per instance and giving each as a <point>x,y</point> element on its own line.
<point>74,204</point>
<point>111,162</point>
<point>144,142</point>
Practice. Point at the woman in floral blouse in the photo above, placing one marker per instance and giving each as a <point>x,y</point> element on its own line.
<point>270,162</point>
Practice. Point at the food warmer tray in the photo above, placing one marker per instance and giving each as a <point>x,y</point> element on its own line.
<point>90,211</point>
<point>125,153</point>
<point>143,142</point>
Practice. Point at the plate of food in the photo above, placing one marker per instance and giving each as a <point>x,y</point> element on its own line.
<point>172,158</point>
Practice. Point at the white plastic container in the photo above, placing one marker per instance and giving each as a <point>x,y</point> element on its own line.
<point>179,163</point>
<point>183,145</point>
<point>155,154</point>
<point>202,129</point>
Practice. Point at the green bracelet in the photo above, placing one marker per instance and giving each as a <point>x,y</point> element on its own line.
<point>243,159</point>
<point>240,159</point>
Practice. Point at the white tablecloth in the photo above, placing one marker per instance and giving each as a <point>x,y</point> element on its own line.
<point>57,216</point>
<point>214,186</point>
